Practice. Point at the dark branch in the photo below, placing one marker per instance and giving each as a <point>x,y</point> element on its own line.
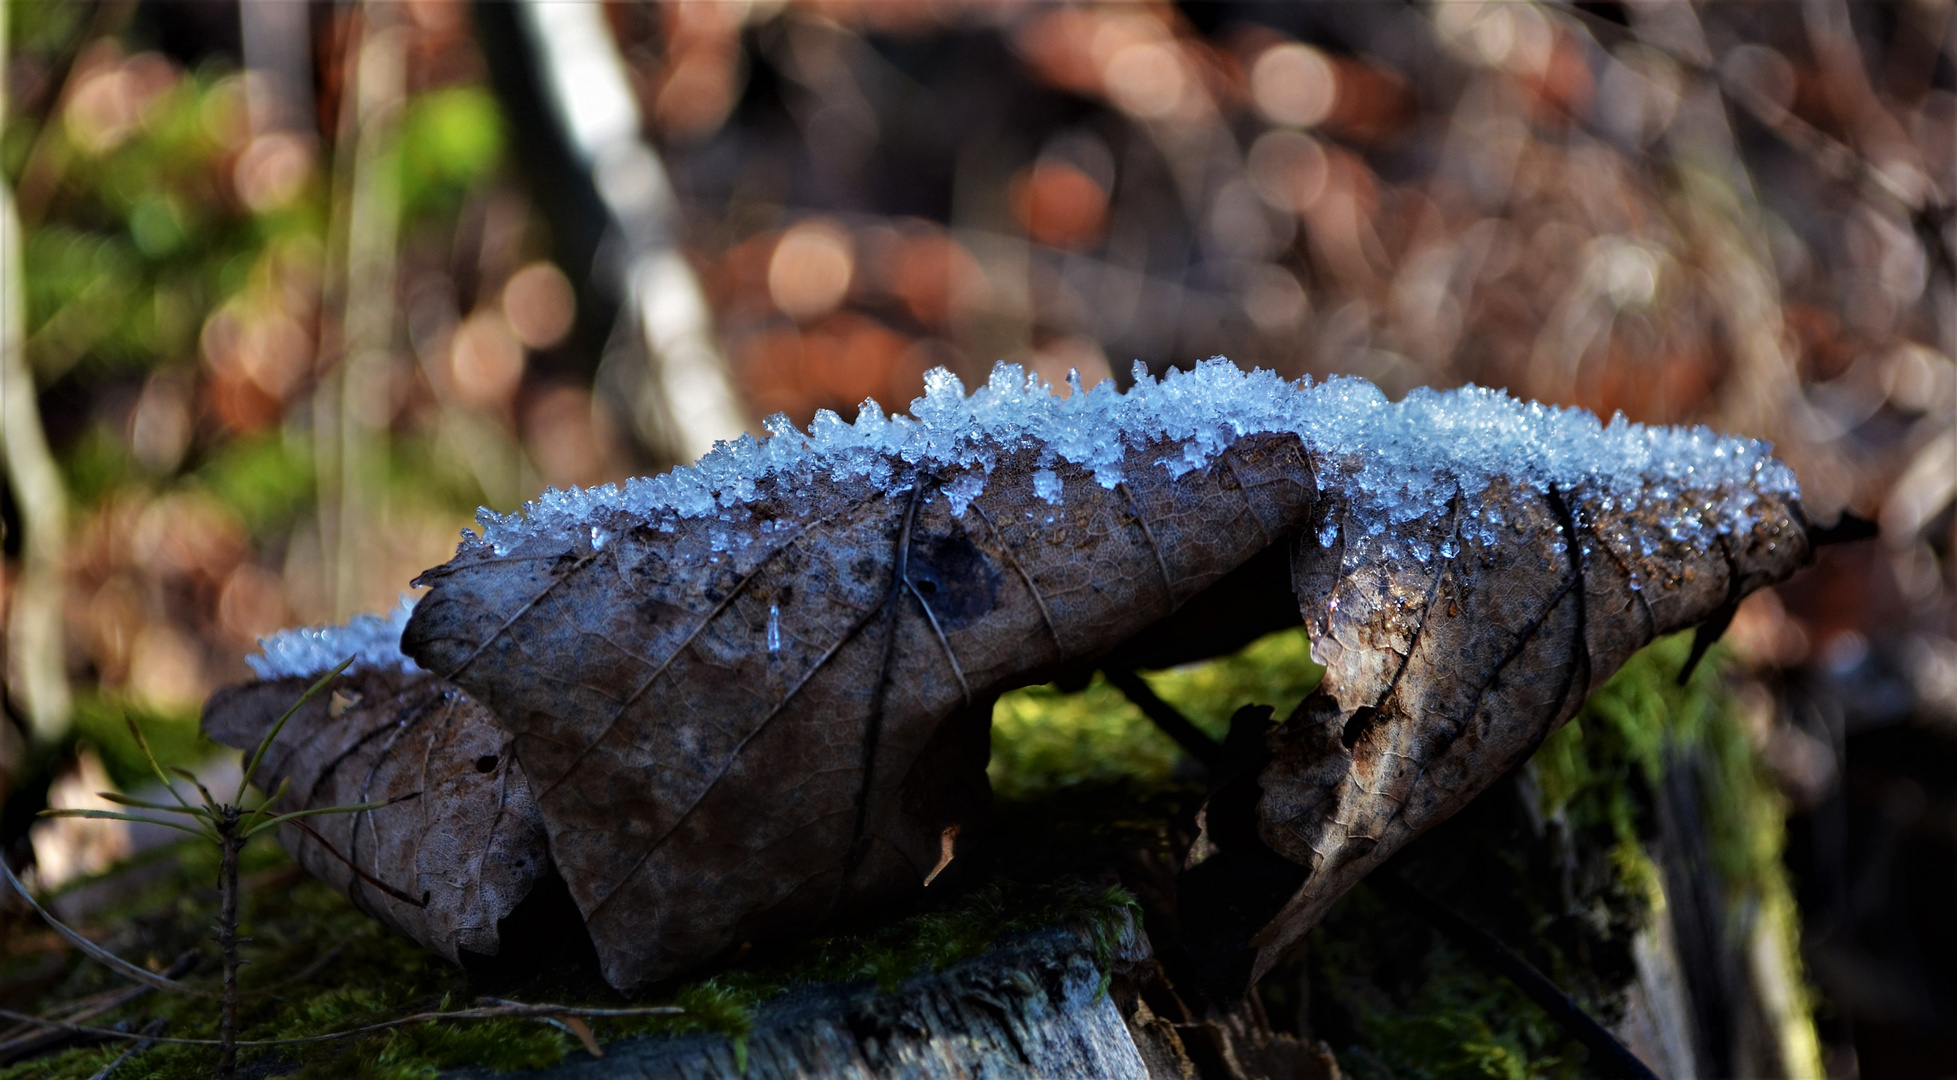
<point>1170,719</point>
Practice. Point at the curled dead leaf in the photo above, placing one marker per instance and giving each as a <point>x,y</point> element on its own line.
<point>702,789</point>
<point>757,692</point>
<point>444,867</point>
<point>1439,681</point>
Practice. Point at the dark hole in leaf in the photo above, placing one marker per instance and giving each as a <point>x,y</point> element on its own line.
<point>486,763</point>
<point>542,937</point>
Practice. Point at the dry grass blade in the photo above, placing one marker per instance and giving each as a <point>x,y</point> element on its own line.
<point>24,1039</point>
<point>95,952</point>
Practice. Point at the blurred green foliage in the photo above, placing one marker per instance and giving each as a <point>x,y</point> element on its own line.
<point>264,478</point>
<point>451,139</point>
<point>101,722</point>
<point>143,236</point>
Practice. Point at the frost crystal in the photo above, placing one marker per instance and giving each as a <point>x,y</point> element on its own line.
<point>374,641</point>
<point>1047,484</point>
<point>1392,464</point>
<point>1403,481</point>
<point>963,490</point>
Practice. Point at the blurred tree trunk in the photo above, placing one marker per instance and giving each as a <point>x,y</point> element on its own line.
<point>682,396</point>
<point>35,666</point>
<point>352,405</point>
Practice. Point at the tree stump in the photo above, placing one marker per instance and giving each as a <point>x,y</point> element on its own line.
<point>1063,1002</point>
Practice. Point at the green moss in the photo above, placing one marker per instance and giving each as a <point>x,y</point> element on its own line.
<point>966,926</point>
<point>1432,1014</point>
<point>374,976</point>
<point>1044,740</point>
<point>1596,769</point>
<point>1275,670</point>
<point>1084,781</point>
<point>1553,862</point>
<point>293,923</point>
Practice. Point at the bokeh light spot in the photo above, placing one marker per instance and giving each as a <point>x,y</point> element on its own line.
<point>810,271</point>
<point>539,304</point>
<point>1294,85</point>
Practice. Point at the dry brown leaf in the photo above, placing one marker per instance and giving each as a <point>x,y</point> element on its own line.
<point>701,790</point>
<point>1438,682</point>
<point>444,866</point>
<point>766,698</point>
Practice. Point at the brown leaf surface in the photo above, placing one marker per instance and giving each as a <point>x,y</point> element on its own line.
<point>461,854</point>
<point>1439,681</point>
<point>700,789</point>
<point>736,729</point>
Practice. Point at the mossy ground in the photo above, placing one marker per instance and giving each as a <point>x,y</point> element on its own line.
<point>1552,860</point>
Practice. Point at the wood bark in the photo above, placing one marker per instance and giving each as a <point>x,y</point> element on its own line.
<point>1043,1004</point>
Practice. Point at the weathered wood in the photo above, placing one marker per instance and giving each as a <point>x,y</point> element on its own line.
<point>1039,1005</point>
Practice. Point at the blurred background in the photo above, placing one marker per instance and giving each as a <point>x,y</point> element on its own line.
<point>290,288</point>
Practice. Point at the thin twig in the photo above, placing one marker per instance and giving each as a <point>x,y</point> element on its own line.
<point>499,1011</point>
<point>96,952</point>
<point>24,1039</point>
<point>227,941</point>
<point>1193,740</point>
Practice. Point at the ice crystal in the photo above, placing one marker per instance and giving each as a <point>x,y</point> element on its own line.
<point>1047,485</point>
<point>1391,463</point>
<point>374,642</point>
<point>1389,471</point>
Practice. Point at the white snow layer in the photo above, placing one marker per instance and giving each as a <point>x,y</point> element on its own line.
<point>374,641</point>
<point>1393,464</point>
